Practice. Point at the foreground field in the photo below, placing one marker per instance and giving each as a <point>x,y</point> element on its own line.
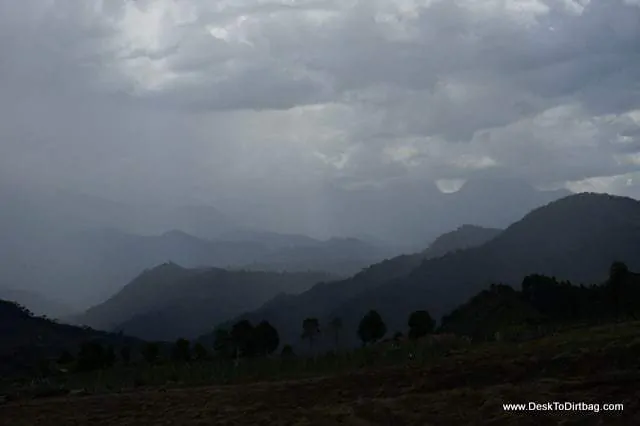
<point>467,387</point>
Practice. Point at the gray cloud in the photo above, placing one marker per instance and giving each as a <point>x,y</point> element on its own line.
<point>278,100</point>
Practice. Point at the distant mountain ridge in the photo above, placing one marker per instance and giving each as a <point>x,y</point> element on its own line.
<point>51,240</point>
<point>93,264</point>
<point>413,214</point>
<point>183,300</point>
<point>574,238</point>
<point>466,236</point>
<point>286,312</point>
<point>169,301</point>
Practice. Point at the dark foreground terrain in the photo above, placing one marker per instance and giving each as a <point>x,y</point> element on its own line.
<point>464,387</point>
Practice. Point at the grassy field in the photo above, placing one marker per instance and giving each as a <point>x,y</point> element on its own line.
<point>465,385</point>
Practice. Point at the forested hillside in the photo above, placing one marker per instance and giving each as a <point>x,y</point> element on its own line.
<point>288,311</point>
<point>550,240</point>
<point>27,340</point>
<point>170,301</point>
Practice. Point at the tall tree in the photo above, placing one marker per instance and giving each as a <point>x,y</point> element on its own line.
<point>617,273</point>
<point>287,352</point>
<point>222,343</point>
<point>266,338</point>
<point>109,356</point>
<point>371,328</point>
<point>310,329</point>
<point>420,324</point>
<point>125,355</point>
<point>151,352</point>
<point>242,335</point>
<point>200,352</point>
<point>181,351</point>
<point>91,356</point>
<point>65,358</point>
<point>336,328</point>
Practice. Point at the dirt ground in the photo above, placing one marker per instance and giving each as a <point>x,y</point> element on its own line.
<point>465,387</point>
<point>446,394</point>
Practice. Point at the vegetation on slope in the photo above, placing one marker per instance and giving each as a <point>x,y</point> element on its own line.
<point>36,303</point>
<point>169,301</point>
<point>547,241</point>
<point>557,360</point>
<point>447,384</point>
<point>26,341</point>
<point>285,312</point>
<point>464,237</point>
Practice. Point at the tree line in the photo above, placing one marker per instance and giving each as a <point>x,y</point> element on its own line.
<point>544,302</point>
<point>242,340</point>
<point>555,301</point>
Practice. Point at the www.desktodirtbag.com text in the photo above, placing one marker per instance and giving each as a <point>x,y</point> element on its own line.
<point>564,406</point>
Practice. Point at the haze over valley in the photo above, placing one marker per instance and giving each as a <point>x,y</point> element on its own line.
<point>376,208</point>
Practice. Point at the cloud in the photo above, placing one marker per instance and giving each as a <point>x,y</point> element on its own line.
<point>275,99</point>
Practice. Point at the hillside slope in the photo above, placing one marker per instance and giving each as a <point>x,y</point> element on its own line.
<point>170,301</point>
<point>26,339</point>
<point>286,312</point>
<point>108,259</point>
<point>36,303</point>
<point>466,236</point>
<point>342,256</point>
<point>575,238</point>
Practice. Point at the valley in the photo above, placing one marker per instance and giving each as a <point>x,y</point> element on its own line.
<point>445,335</point>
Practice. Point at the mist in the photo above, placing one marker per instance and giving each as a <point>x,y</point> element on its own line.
<point>386,122</point>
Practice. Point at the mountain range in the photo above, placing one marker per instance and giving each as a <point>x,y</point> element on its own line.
<point>575,238</point>
<point>82,249</point>
<point>286,312</point>
<point>169,301</point>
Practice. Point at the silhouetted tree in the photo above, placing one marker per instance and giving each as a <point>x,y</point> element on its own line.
<point>287,352</point>
<point>44,367</point>
<point>125,355</point>
<point>336,328</point>
<point>181,351</point>
<point>109,357</point>
<point>310,329</point>
<point>222,343</point>
<point>91,356</point>
<point>243,339</point>
<point>420,324</point>
<point>371,328</point>
<point>397,338</point>
<point>200,352</point>
<point>65,358</point>
<point>617,274</point>
<point>266,338</point>
<point>556,299</point>
<point>151,352</point>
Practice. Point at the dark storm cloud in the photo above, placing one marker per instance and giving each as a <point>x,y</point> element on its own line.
<point>265,98</point>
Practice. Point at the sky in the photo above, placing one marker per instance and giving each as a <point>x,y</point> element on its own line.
<point>249,102</point>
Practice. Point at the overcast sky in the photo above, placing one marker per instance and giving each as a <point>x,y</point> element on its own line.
<point>213,100</point>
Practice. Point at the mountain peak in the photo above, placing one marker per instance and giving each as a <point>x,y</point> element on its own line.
<point>581,211</point>
<point>464,236</point>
